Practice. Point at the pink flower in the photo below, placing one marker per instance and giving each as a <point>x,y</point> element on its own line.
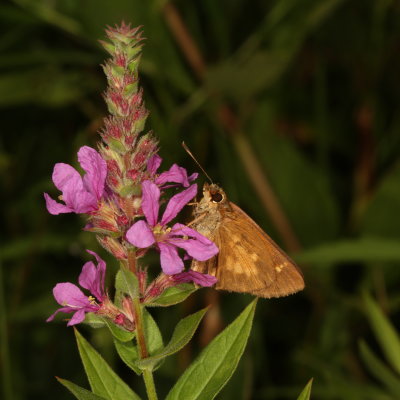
<point>175,174</point>
<point>195,277</point>
<point>144,234</point>
<point>73,300</point>
<point>80,195</point>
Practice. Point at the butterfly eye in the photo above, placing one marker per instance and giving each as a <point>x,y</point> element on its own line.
<point>216,197</point>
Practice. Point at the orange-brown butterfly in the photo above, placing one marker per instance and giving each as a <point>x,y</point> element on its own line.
<point>248,261</point>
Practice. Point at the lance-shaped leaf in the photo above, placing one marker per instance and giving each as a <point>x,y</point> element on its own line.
<point>127,350</point>
<point>208,374</point>
<point>183,332</point>
<point>306,393</point>
<point>128,353</point>
<point>126,282</point>
<point>79,392</point>
<point>154,340</point>
<point>173,295</point>
<point>384,332</point>
<point>102,379</point>
<point>118,332</point>
<point>94,321</point>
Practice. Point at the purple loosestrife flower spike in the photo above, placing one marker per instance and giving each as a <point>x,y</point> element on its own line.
<point>81,195</point>
<point>73,300</point>
<point>144,234</point>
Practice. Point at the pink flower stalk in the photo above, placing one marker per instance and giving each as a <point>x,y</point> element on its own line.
<point>73,300</point>
<point>80,195</point>
<point>144,234</point>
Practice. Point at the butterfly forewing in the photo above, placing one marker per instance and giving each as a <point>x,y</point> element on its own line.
<point>248,260</point>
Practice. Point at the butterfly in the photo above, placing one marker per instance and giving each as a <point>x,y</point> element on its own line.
<point>249,261</point>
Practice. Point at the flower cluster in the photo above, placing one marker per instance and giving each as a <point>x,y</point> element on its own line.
<point>121,192</point>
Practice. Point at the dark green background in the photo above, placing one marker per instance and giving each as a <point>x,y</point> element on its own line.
<point>315,86</point>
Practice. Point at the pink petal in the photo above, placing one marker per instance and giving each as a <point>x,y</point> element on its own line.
<point>55,208</point>
<point>77,318</point>
<point>83,202</point>
<point>175,174</point>
<point>196,277</point>
<point>177,202</point>
<point>193,177</point>
<point>171,263</point>
<point>96,170</point>
<point>67,294</point>
<point>92,278</point>
<point>64,176</point>
<point>62,309</point>
<point>101,270</point>
<point>153,164</point>
<point>150,202</point>
<point>76,198</point>
<point>200,247</point>
<point>140,235</point>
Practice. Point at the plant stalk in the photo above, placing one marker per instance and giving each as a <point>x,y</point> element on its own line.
<point>140,336</point>
<point>140,329</point>
<point>150,387</point>
<point>143,352</point>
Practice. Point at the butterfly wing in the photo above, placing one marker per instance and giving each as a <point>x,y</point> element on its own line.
<point>249,261</point>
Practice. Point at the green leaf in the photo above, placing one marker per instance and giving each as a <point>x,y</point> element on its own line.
<point>173,295</point>
<point>128,350</point>
<point>379,370</point>
<point>103,380</point>
<point>384,332</point>
<point>79,392</point>
<point>183,332</point>
<point>306,393</point>
<point>207,375</point>
<point>128,353</point>
<point>154,340</point>
<point>126,282</point>
<point>119,333</point>
<point>94,321</point>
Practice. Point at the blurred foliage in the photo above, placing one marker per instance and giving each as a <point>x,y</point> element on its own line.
<point>314,86</point>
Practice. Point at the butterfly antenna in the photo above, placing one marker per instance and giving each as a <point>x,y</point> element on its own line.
<point>195,160</point>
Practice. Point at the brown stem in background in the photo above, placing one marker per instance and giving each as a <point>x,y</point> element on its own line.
<point>231,125</point>
<point>365,163</point>
<point>184,39</point>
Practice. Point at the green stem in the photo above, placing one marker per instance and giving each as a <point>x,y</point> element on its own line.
<point>140,336</point>
<point>150,387</point>
<point>140,329</point>
<point>141,341</point>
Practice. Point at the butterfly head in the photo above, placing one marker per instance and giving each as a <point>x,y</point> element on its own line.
<point>213,194</point>
<point>214,201</point>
